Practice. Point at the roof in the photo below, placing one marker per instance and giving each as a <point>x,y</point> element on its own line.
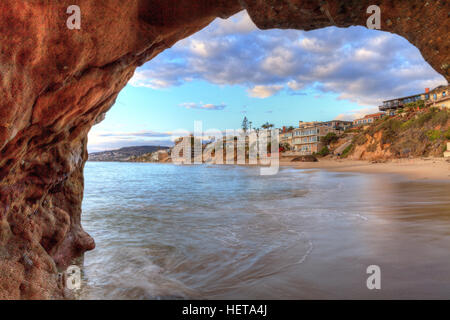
<point>439,88</point>
<point>419,94</point>
<point>371,116</point>
<point>402,98</point>
<point>374,115</point>
<point>344,121</point>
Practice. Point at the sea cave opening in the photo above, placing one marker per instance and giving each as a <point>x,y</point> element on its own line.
<point>219,232</point>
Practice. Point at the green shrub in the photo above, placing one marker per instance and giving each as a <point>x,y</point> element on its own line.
<point>392,124</point>
<point>433,134</point>
<point>324,151</point>
<point>447,134</point>
<point>440,117</point>
<point>434,109</point>
<point>408,124</point>
<point>422,119</point>
<point>389,136</point>
<point>346,151</point>
<point>414,105</point>
<point>329,138</point>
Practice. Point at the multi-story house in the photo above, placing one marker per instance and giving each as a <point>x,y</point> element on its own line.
<point>438,97</point>
<point>302,124</point>
<point>306,139</point>
<point>368,119</point>
<point>338,124</point>
<point>286,137</point>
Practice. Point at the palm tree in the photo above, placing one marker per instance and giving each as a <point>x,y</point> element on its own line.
<point>267,125</point>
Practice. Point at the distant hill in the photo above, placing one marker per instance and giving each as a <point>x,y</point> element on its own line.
<point>124,154</point>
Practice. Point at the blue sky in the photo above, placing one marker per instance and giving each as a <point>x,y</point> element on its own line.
<point>231,69</point>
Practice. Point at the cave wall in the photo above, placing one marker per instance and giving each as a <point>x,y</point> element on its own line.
<point>56,83</point>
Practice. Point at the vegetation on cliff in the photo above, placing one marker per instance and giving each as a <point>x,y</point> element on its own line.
<point>416,132</point>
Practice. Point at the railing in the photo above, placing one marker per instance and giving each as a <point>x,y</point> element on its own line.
<point>391,105</point>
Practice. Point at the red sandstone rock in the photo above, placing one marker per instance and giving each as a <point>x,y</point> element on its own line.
<point>55,83</point>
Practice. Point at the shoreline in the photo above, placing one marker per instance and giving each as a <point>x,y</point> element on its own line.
<point>414,169</point>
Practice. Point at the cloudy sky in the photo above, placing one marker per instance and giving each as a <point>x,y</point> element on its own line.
<point>231,69</point>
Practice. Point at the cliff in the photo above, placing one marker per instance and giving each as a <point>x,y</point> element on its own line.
<point>56,83</point>
<point>415,133</point>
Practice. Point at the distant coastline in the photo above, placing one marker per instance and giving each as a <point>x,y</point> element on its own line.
<point>126,154</point>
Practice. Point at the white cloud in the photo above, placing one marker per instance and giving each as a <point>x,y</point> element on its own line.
<point>264,91</point>
<point>313,45</point>
<point>356,114</point>
<point>361,65</point>
<point>364,54</point>
<point>280,62</point>
<point>238,24</point>
<point>141,79</point>
<point>199,48</point>
<point>208,106</point>
<point>295,85</point>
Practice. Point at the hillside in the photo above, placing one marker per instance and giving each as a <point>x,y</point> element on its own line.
<point>124,154</point>
<point>412,133</point>
<point>157,156</point>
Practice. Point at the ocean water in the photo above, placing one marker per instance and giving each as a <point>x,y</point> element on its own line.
<point>225,232</point>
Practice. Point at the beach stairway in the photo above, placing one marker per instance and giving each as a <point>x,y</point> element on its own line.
<point>447,153</point>
<point>344,146</point>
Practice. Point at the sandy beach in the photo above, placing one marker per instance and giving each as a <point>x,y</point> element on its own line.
<point>416,169</point>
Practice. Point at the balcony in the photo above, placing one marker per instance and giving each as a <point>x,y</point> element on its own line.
<point>387,105</point>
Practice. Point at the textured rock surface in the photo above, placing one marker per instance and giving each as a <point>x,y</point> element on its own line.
<point>55,83</point>
<point>412,134</point>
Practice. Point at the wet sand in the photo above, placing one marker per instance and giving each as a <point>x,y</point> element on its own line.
<point>417,169</point>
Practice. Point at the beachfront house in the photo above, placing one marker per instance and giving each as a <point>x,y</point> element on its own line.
<point>340,125</point>
<point>286,137</point>
<point>438,97</point>
<point>306,138</point>
<point>368,119</point>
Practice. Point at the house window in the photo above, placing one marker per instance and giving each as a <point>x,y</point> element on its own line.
<point>444,94</point>
<point>427,96</point>
<point>435,96</point>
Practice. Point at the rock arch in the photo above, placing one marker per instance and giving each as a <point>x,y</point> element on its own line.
<point>55,83</point>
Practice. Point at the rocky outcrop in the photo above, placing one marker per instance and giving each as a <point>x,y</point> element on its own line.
<point>412,134</point>
<point>307,158</point>
<point>55,83</point>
